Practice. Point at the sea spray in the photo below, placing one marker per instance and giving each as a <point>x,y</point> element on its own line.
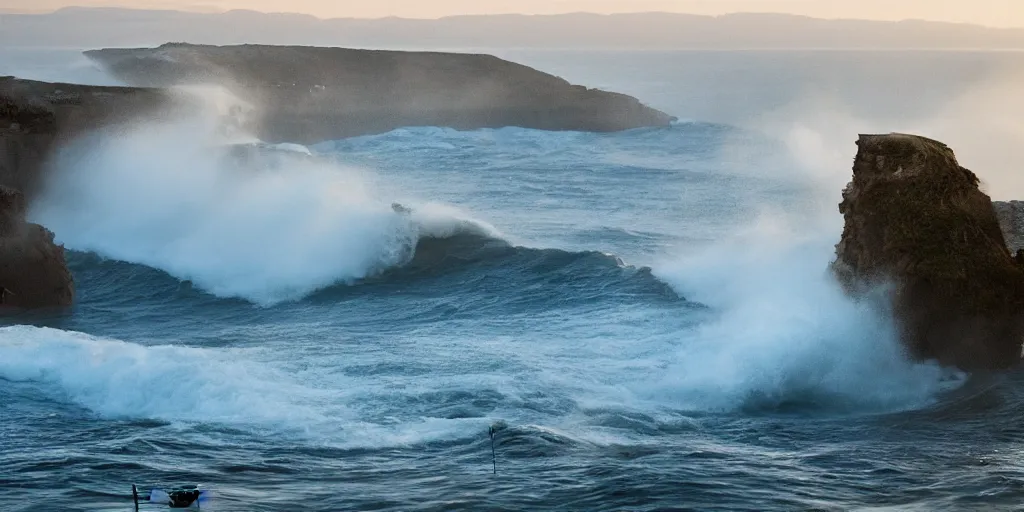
<point>118,380</point>
<point>984,122</point>
<point>782,333</point>
<point>170,194</point>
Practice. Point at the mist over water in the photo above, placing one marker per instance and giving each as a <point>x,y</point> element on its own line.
<point>783,333</point>
<point>64,65</point>
<point>818,101</point>
<point>647,317</point>
<point>173,196</point>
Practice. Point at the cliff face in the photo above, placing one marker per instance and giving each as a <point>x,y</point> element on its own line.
<point>310,94</point>
<point>36,117</point>
<point>33,272</point>
<point>27,131</point>
<point>916,219</point>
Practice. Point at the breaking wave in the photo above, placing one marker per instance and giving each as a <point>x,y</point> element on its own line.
<point>243,220</point>
<point>782,335</point>
<point>187,385</point>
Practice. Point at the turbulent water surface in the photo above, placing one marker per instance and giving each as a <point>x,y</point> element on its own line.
<point>644,320</point>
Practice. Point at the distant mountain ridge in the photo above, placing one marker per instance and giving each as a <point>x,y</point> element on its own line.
<point>109,27</point>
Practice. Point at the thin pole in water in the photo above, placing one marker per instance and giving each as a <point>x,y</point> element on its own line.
<point>135,497</point>
<point>494,458</point>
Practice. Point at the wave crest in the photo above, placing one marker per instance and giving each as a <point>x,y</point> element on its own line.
<point>783,336</point>
<point>162,195</point>
<point>117,379</point>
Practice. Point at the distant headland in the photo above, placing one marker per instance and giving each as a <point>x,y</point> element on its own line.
<point>311,94</point>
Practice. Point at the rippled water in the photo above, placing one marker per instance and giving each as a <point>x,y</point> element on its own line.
<point>644,319</point>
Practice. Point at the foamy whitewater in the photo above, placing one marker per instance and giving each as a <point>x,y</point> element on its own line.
<point>645,320</point>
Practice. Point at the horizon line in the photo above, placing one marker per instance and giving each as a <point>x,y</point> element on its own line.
<point>214,12</point>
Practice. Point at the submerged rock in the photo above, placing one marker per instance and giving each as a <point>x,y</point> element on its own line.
<point>917,221</point>
<point>33,272</point>
<point>308,94</point>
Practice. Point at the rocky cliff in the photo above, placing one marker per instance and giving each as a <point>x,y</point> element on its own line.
<point>916,219</point>
<point>36,117</point>
<point>311,94</point>
<point>33,272</point>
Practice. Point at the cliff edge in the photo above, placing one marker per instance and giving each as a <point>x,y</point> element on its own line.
<point>36,117</point>
<point>311,94</point>
<point>916,220</point>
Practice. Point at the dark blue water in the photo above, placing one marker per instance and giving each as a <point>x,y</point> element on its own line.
<point>645,320</point>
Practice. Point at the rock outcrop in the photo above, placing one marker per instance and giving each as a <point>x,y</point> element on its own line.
<point>36,117</point>
<point>33,272</point>
<point>916,220</point>
<point>27,132</point>
<point>309,94</point>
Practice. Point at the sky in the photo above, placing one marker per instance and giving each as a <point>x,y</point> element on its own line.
<point>995,13</point>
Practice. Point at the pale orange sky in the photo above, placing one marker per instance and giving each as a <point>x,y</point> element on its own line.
<point>997,13</point>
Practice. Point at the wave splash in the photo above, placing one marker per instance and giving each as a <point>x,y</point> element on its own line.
<point>116,379</point>
<point>177,196</point>
<point>782,335</point>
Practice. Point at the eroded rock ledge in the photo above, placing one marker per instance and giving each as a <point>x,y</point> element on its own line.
<point>36,117</point>
<point>916,220</point>
<point>33,272</point>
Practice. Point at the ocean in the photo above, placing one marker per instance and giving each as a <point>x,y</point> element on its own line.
<point>510,319</point>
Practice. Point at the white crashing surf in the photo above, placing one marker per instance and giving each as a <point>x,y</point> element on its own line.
<point>117,380</point>
<point>178,196</point>
<point>782,331</point>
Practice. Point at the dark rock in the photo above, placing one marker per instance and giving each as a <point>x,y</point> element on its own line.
<point>916,220</point>
<point>310,94</point>
<point>12,211</point>
<point>37,117</point>
<point>33,272</point>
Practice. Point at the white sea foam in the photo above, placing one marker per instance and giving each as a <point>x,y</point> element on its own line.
<point>118,380</point>
<point>169,195</point>
<point>782,330</point>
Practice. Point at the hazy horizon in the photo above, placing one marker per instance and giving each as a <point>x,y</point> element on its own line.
<point>992,13</point>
